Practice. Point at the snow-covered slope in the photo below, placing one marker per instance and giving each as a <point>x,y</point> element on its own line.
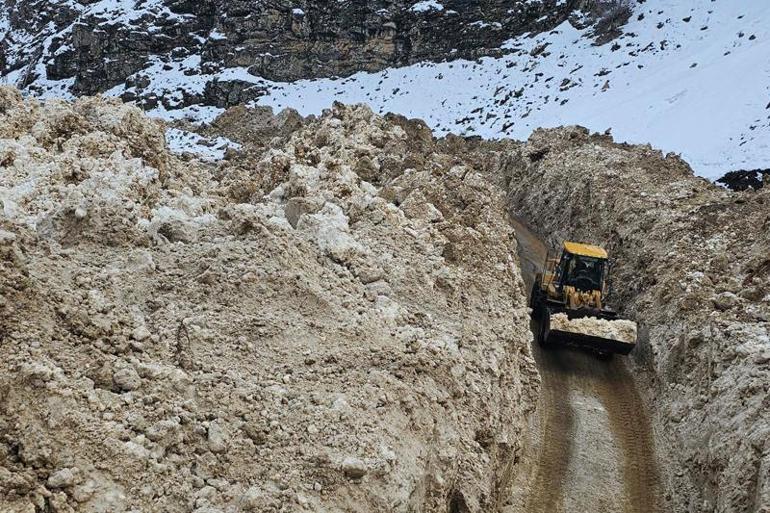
<point>687,77</point>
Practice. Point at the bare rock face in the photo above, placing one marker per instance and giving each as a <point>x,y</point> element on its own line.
<point>260,356</point>
<point>692,266</point>
<point>743,180</point>
<point>89,47</point>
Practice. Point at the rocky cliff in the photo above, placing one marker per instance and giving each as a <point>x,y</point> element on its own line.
<point>89,47</point>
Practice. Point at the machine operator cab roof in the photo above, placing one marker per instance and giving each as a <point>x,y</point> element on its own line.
<point>586,250</point>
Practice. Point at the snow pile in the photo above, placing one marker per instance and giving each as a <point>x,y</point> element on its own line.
<point>182,141</point>
<point>72,166</point>
<point>270,333</point>
<point>427,6</point>
<point>127,12</point>
<point>619,329</point>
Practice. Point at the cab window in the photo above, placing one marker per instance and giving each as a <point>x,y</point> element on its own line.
<point>584,273</point>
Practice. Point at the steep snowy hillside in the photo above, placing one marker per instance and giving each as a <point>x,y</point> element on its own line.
<point>693,79</point>
<point>89,46</point>
<point>687,77</point>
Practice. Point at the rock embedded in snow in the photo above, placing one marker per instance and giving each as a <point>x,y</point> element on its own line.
<point>140,333</point>
<point>217,437</point>
<point>726,300</point>
<point>354,468</point>
<point>369,274</point>
<point>297,207</point>
<point>64,478</point>
<point>38,372</point>
<point>127,379</point>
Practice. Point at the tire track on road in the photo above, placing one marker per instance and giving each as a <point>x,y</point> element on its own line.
<point>631,428</point>
<point>556,437</point>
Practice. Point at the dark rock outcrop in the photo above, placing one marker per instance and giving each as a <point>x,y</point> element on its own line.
<point>743,180</point>
<point>89,47</point>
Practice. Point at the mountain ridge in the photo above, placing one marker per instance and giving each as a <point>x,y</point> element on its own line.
<point>683,78</point>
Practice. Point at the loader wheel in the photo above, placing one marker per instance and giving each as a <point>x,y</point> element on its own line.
<point>534,295</point>
<point>543,322</point>
<point>541,334</point>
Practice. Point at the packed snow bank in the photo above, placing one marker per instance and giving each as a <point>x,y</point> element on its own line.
<point>619,329</point>
<point>268,334</point>
<point>692,267</point>
<point>68,165</point>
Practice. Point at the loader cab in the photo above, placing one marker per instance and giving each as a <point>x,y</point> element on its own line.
<point>581,266</point>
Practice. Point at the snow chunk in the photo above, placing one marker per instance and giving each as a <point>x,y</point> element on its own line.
<point>427,5</point>
<point>216,35</point>
<point>619,329</point>
<point>331,231</point>
<point>210,150</point>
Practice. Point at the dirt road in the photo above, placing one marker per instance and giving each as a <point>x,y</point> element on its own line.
<point>593,448</point>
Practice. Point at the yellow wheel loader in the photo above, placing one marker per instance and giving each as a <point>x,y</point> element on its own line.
<point>568,303</point>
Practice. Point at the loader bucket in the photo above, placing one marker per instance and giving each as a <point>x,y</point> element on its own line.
<point>601,335</point>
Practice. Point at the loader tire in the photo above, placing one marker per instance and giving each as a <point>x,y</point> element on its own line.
<point>543,325</point>
<point>604,357</point>
<point>534,296</point>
